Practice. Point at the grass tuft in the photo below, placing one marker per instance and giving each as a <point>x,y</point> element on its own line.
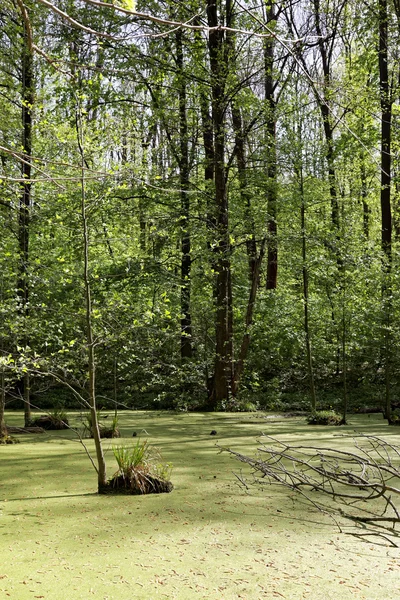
<point>140,470</point>
<point>56,420</point>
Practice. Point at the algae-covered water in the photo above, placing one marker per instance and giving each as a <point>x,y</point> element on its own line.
<point>209,538</point>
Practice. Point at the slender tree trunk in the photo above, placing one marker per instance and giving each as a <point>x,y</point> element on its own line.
<point>386,118</point>
<point>245,344</point>
<point>25,207</point>
<point>305,293</point>
<point>386,129</point>
<point>396,206</point>
<point>324,105</point>
<point>3,428</point>
<point>254,258</point>
<point>90,341</point>
<point>272,257</point>
<point>364,196</point>
<point>208,142</point>
<point>245,192</point>
<point>386,212</point>
<point>209,211</point>
<point>186,261</point>
<point>344,356</point>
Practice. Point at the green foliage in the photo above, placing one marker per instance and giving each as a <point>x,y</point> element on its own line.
<point>132,145</point>
<point>325,417</point>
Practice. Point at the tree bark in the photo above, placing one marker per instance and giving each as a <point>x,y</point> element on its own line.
<point>364,195</point>
<point>386,212</point>
<point>310,366</point>
<point>3,428</point>
<point>272,256</point>
<point>386,130</point>
<point>186,261</point>
<point>324,105</point>
<point>25,199</point>
<point>90,341</point>
<point>219,62</point>
<point>254,258</point>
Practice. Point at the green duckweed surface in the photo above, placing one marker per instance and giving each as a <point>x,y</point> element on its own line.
<point>60,540</point>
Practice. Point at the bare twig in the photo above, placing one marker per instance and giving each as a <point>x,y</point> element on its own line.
<point>358,485</point>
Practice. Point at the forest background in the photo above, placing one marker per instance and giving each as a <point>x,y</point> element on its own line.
<point>199,204</point>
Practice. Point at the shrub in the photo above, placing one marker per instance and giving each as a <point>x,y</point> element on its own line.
<point>325,417</point>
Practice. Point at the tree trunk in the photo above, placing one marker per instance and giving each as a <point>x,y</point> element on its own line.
<point>186,261</point>
<point>254,259</point>
<point>3,428</point>
<point>25,206</point>
<point>219,61</point>
<point>386,120</point>
<point>209,210</point>
<point>364,195</point>
<point>245,192</point>
<point>324,105</point>
<point>386,213</point>
<point>305,294</point>
<point>272,257</point>
<point>90,341</point>
<point>244,348</point>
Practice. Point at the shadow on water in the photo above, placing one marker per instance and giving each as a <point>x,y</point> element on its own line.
<point>48,497</point>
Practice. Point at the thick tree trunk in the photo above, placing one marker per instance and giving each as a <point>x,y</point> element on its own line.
<point>219,61</point>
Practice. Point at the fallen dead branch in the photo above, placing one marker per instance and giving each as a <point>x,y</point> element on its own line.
<point>12,429</point>
<point>360,485</point>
